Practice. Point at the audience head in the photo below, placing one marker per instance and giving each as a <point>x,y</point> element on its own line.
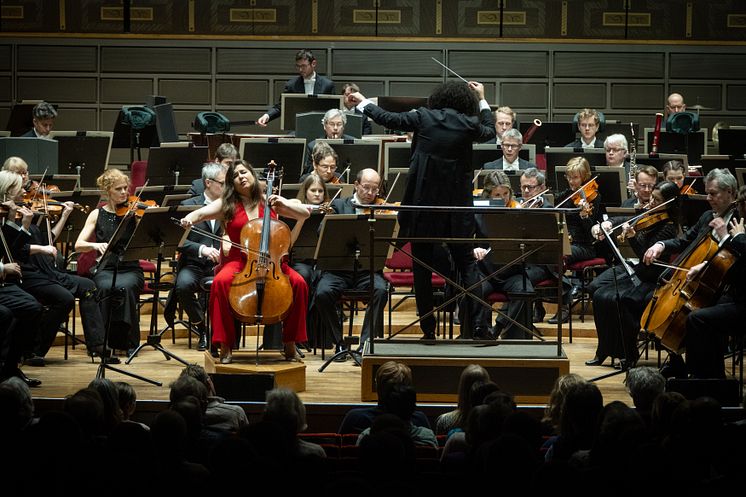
<point>16,405</point>
<point>470,375</point>
<point>644,385</point>
<point>127,398</point>
<point>285,408</point>
<point>557,397</point>
<point>392,373</point>
<point>200,374</point>
<point>44,115</point>
<point>454,95</point>
<point>110,397</point>
<point>185,386</point>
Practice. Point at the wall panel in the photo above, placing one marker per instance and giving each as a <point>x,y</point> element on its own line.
<point>241,92</point>
<point>603,64</point>
<point>125,91</point>
<point>72,119</point>
<point>265,60</point>
<point>185,91</point>
<point>505,64</point>
<point>44,58</point>
<point>636,96</point>
<point>580,95</point>
<point>155,60</point>
<point>57,89</point>
<point>5,51</point>
<point>400,63</point>
<point>712,66</point>
<point>524,95</point>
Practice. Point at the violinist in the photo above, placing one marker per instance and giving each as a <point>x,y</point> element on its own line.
<point>497,187</point>
<point>98,230</point>
<point>579,224</point>
<point>332,283</point>
<point>53,288</point>
<point>325,161</point>
<point>198,256</point>
<point>18,166</point>
<point>674,171</point>
<point>440,174</point>
<point>533,187</point>
<point>242,200</point>
<point>708,327</point>
<point>614,341</point>
<point>19,310</point>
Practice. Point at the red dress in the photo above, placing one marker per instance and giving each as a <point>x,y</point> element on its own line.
<point>223,324</point>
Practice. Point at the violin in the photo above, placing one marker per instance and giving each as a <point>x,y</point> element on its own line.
<point>644,224</point>
<point>261,293</point>
<point>535,202</point>
<point>135,205</point>
<point>583,197</point>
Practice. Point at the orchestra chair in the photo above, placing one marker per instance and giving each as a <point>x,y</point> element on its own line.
<point>587,270</point>
<point>138,174</point>
<point>400,276</point>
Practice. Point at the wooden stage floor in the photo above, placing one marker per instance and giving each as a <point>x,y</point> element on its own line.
<point>338,384</point>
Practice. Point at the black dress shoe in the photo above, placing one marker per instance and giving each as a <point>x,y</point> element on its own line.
<point>428,335</point>
<point>31,382</point>
<point>34,361</point>
<point>539,313</point>
<point>596,361</point>
<point>202,344</point>
<point>563,315</point>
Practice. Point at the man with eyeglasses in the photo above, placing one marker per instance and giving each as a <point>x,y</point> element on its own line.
<point>332,283</point>
<point>224,155</point>
<point>334,122</point>
<point>512,141</point>
<point>307,81</point>
<point>324,164</point>
<point>588,124</point>
<point>199,254</point>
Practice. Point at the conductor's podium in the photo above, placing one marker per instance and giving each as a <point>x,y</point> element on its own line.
<point>270,365</point>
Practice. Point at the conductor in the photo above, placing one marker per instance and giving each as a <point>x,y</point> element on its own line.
<point>440,173</point>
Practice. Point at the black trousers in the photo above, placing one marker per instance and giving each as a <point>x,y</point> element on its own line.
<point>707,332</point>
<point>19,326</point>
<point>513,308</point>
<point>188,277</point>
<point>125,314</point>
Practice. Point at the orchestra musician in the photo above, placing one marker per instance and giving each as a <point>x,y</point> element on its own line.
<point>674,171</point>
<point>505,118</point>
<point>675,103</point>
<point>616,152</point>
<point>497,186</point>
<point>588,124</point>
<point>348,89</point>
<point>19,311</point>
<point>98,230</point>
<point>613,341</point>
<point>334,122</point>
<point>56,290</point>
<point>225,154</point>
<point>331,284</point>
<point>325,160</point>
<point>307,81</point>
<point>242,199</point>
<point>512,141</point>
<point>579,224</point>
<point>440,174</point>
<point>18,166</point>
<point>707,328</point>
<point>44,115</point>
<point>198,256</point>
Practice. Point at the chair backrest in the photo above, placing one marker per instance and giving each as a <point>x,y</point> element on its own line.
<point>399,260</point>
<point>138,174</point>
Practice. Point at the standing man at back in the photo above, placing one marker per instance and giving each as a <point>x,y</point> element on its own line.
<point>307,82</point>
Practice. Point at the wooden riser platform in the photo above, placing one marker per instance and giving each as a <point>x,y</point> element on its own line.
<point>285,374</point>
<point>526,369</point>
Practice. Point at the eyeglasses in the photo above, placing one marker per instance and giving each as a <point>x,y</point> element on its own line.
<point>615,150</point>
<point>324,167</point>
<point>528,188</point>
<point>221,183</point>
<point>302,66</point>
<point>645,186</point>
<point>369,189</point>
<point>510,146</point>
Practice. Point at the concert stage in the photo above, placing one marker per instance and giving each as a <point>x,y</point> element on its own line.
<point>527,369</point>
<point>278,372</point>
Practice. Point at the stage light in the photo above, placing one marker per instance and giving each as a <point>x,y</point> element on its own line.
<point>211,122</point>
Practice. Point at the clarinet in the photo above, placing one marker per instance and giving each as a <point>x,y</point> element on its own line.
<point>633,156</point>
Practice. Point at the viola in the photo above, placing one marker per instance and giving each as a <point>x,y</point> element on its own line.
<point>134,205</point>
<point>261,293</point>
<point>672,302</point>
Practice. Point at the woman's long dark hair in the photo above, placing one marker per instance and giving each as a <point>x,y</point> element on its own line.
<point>230,196</point>
<point>454,95</point>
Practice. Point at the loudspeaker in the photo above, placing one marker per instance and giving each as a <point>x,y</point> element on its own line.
<point>154,100</point>
<point>248,387</point>
<point>724,391</point>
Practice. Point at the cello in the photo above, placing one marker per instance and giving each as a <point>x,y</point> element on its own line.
<point>261,293</point>
<point>666,313</point>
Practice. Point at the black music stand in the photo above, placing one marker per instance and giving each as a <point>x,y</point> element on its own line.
<point>132,137</point>
<point>304,247</point>
<point>83,153</point>
<point>156,233</point>
<point>344,243</point>
<point>159,193</point>
<point>358,154</point>
<point>117,251</point>
<point>289,153</point>
<point>169,165</point>
<point>550,134</point>
<point>526,236</point>
<point>41,154</point>
<point>292,104</point>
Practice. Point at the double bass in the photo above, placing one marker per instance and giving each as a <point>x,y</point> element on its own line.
<point>261,293</point>
<point>666,313</point>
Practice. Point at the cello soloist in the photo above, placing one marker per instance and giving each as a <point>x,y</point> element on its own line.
<point>243,200</point>
<point>708,327</point>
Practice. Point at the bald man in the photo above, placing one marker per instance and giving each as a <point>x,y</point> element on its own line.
<point>675,103</point>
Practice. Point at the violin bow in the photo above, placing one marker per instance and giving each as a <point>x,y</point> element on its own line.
<point>577,191</point>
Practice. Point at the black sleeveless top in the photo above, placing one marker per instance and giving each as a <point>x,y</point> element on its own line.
<point>106,225</point>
